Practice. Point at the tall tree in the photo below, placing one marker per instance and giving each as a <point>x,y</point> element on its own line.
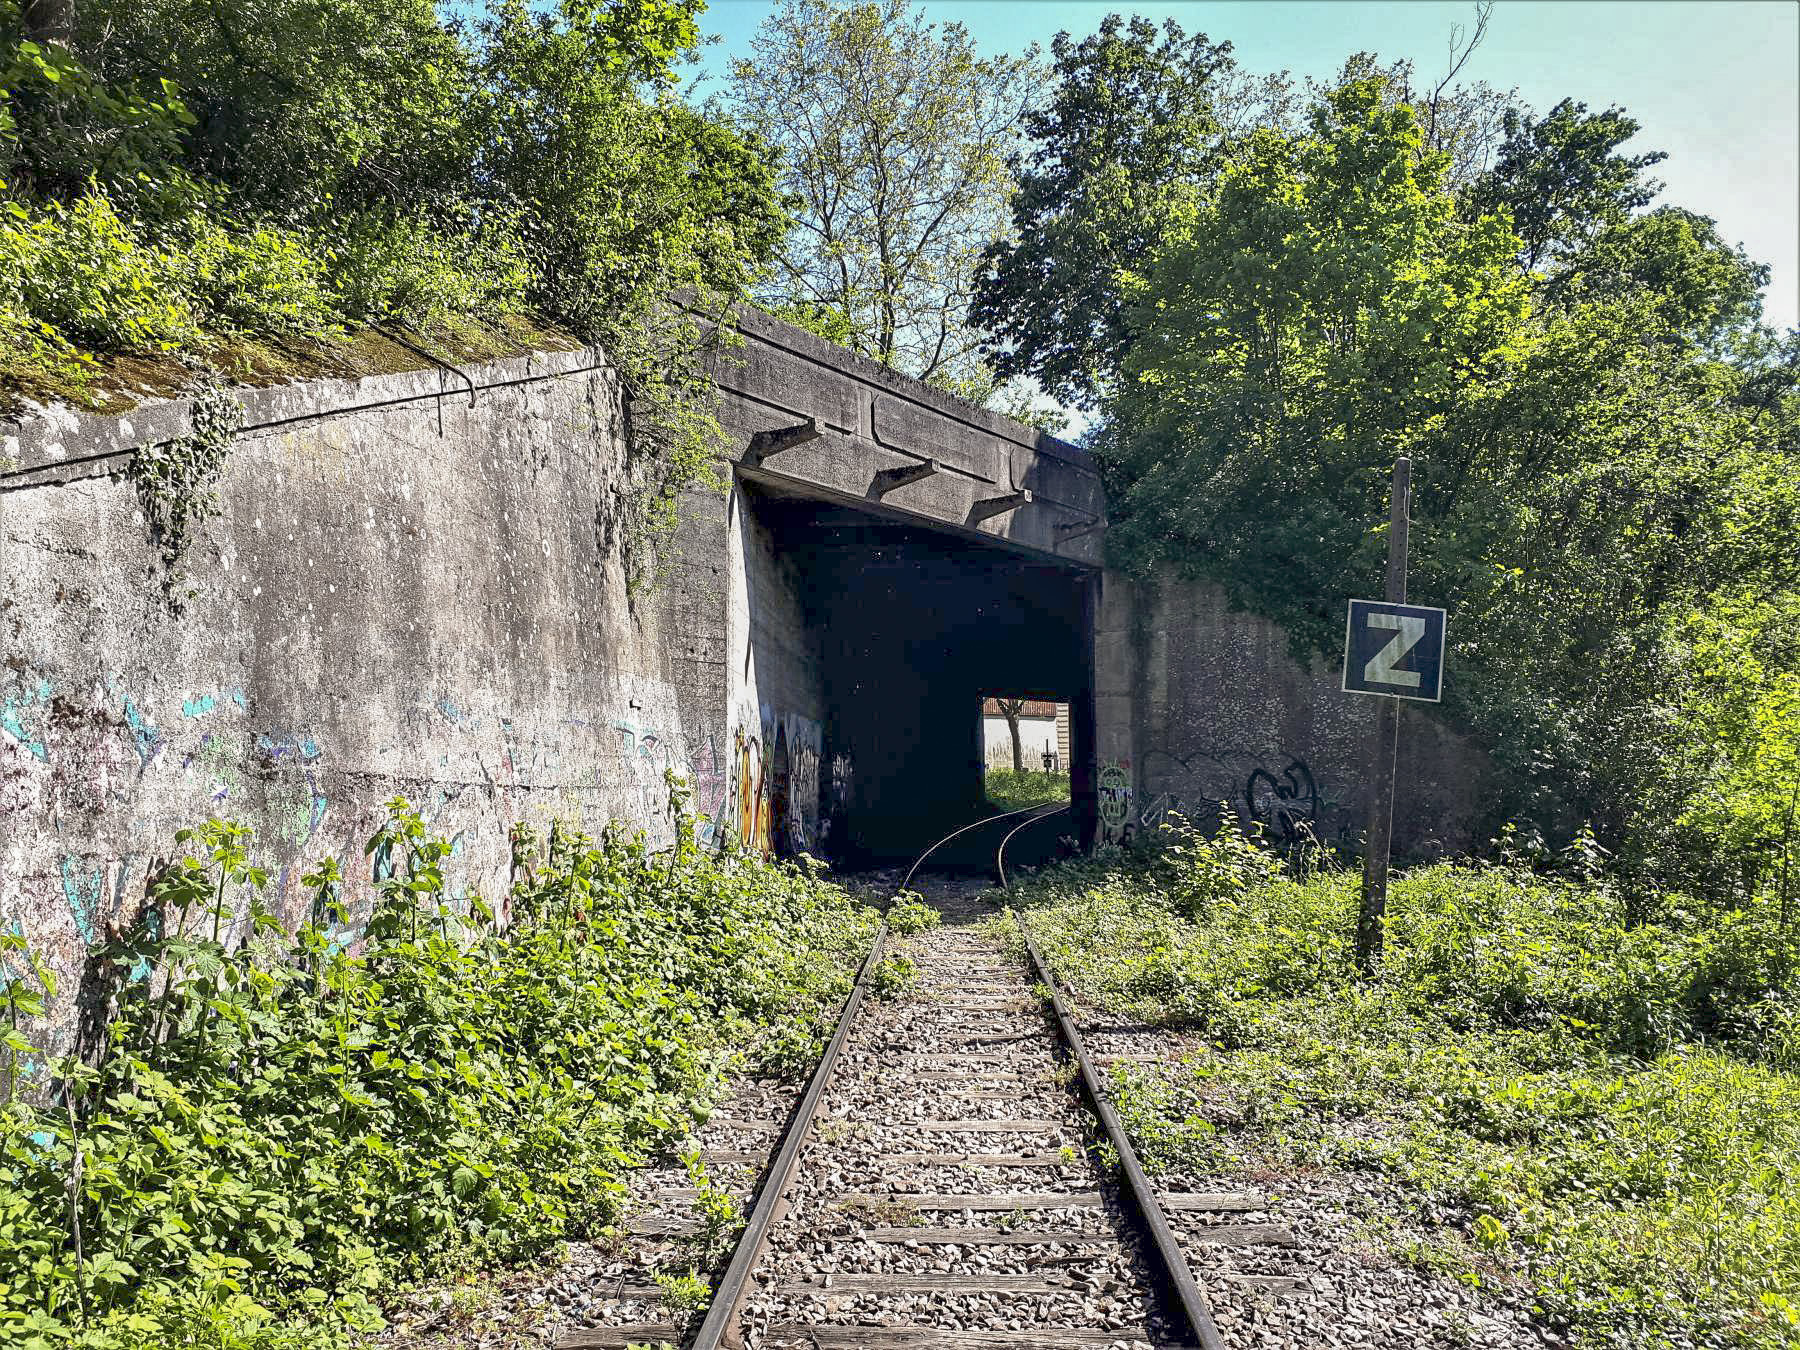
<point>1132,122</point>
<point>1466,122</point>
<point>894,135</point>
<point>1139,123</point>
<point>1012,709</point>
<point>1320,314</point>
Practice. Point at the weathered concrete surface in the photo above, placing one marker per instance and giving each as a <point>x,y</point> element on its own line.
<point>419,598</point>
<point>873,422</point>
<point>1200,704</point>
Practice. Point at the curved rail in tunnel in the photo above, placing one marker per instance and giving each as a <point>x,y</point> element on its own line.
<point>973,825</point>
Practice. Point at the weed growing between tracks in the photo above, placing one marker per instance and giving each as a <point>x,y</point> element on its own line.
<point>283,1127</point>
<point>910,914</point>
<point>1608,1102</point>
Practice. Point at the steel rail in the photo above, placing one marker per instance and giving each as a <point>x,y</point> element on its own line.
<point>1195,1310</point>
<point>985,820</point>
<point>722,1315</point>
<point>1000,853</point>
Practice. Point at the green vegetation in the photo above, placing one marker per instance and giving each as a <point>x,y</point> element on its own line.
<point>894,976</point>
<point>910,914</point>
<point>1009,789</point>
<point>178,181</point>
<point>1295,291</point>
<point>893,135</point>
<point>1607,1092</point>
<point>275,1130</point>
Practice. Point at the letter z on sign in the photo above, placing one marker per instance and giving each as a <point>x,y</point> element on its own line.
<point>1396,650</point>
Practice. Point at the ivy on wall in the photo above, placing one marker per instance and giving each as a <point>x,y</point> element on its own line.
<point>177,480</point>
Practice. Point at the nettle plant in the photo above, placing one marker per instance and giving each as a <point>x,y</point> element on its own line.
<point>275,1128</point>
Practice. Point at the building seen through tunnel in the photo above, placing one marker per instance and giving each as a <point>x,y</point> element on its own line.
<point>1042,727</point>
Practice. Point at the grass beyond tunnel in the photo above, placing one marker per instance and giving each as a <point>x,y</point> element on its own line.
<point>1606,1102</point>
<point>1011,789</point>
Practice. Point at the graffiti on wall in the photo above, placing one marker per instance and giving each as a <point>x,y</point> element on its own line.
<point>96,779</point>
<point>295,802</point>
<point>707,775</point>
<point>1285,803</point>
<point>1115,802</point>
<point>748,817</point>
<point>647,757</point>
<point>650,752</point>
<point>781,777</point>
<point>806,740</point>
<point>834,810</point>
<point>1286,807</point>
<point>23,713</point>
<point>773,799</point>
<point>803,793</point>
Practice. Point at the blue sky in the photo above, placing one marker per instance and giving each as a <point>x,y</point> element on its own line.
<point>1715,83</point>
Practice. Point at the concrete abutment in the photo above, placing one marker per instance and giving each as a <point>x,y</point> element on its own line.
<point>411,592</point>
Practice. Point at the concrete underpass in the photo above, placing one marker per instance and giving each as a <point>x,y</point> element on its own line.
<point>419,584</point>
<point>910,627</point>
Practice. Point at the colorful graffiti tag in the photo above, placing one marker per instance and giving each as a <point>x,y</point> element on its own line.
<point>1115,802</point>
<point>747,813</point>
<point>795,818</point>
<point>773,797</point>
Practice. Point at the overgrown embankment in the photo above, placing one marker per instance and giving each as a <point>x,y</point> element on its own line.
<point>1606,1093</point>
<point>276,1129</point>
<point>190,193</point>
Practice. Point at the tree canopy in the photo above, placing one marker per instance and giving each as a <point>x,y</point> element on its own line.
<point>1603,435</point>
<point>893,134</point>
<point>1131,118</point>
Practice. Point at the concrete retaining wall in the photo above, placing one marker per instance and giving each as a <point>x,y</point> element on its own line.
<point>402,594</point>
<point>1200,704</point>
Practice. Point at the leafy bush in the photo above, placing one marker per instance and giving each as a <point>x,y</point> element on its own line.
<point>87,273</point>
<point>894,976</point>
<point>1205,870</point>
<point>400,267</point>
<point>910,914</point>
<point>280,1126</point>
<point>261,279</point>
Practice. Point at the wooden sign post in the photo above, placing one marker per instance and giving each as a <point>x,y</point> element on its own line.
<point>1383,755</point>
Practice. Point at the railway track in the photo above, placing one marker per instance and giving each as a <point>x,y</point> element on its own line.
<point>953,1175</point>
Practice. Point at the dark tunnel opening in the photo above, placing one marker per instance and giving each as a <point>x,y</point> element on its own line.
<point>909,627</point>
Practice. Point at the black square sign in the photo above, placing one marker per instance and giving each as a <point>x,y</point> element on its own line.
<point>1396,650</point>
